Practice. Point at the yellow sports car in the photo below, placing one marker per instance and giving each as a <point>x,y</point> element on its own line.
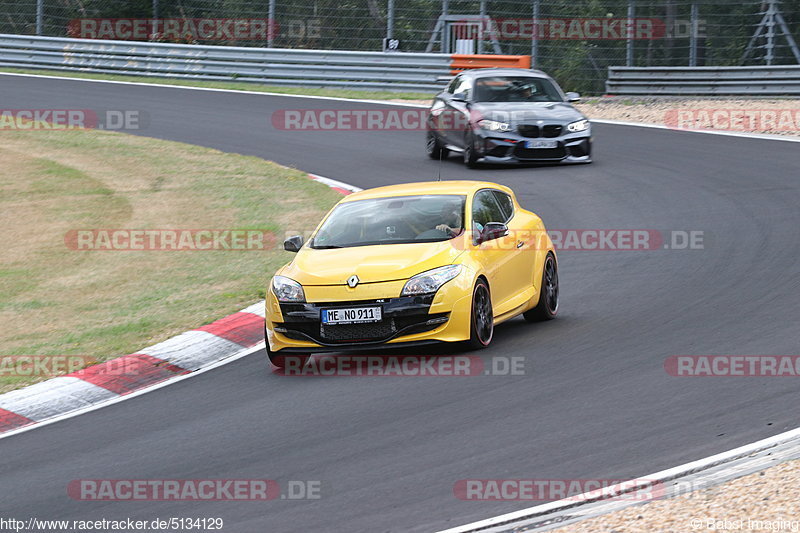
<point>411,264</point>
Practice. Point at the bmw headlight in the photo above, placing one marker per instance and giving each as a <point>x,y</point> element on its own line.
<point>580,125</point>
<point>287,289</point>
<point>494,125</point>
<point>429,282</point>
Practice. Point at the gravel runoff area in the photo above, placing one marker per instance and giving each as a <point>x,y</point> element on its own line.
<point>767,501</point>
<point>771,116</point>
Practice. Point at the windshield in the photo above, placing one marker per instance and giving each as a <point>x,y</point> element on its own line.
<point>515,89</point>
<point>396,220</point>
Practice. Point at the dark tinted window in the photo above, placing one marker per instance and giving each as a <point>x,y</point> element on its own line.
<point>505,204</point>
<point>515,89</point>
<point>486,209</point>
<point>453,84</point>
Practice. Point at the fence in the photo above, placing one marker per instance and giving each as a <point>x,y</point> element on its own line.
<point>708,81</point>
<point>685,32</point>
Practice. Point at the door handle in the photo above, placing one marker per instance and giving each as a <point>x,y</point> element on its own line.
<point>520,244</point>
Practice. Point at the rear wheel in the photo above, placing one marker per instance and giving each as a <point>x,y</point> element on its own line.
<point>433,147</point>
<point>281,360</point>
<point>547,308</point>
<point>482,319</point>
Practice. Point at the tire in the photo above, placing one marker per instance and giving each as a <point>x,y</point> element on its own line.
<point>433,147</point>
<point>547,308</point>
<point>481,324</point>
<point>280,360</point>
<point>470,159</point>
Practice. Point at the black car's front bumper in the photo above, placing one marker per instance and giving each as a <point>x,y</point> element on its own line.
<point>510,147</point>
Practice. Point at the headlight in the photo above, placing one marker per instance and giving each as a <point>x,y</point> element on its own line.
<point>494,125</point>
<point>580,125</point>
<point>287,290</point>
<point>430,281</point>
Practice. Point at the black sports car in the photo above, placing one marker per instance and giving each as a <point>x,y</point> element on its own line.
<point>507,115</point>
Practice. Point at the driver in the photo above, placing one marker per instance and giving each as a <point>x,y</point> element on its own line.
<point>450,215</point>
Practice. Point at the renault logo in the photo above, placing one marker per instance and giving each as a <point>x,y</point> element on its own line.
<point>352,281</point>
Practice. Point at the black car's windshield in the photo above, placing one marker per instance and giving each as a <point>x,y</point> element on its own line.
<point>515,89</point>
<point>400,219</point>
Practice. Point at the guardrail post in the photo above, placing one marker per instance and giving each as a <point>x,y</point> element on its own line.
<point>39,16</point>
<point>693,37</point>
<point>770,33</point>
<point>445,29</point>
<point>389,19</point>
<point>629,36</point>
<point>271,24</point>
<point>535,35</point>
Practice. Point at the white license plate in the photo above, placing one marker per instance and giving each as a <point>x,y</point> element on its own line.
<point>351,315</point>
<point>541,144</point>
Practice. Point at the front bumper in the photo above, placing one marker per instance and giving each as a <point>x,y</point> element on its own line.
<point>441,317</point>
<point>510,147</point>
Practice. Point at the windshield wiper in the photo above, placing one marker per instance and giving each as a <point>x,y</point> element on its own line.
<point>326,247</point>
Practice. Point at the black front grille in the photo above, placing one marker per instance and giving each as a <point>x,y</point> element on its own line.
<point>534,131</point>
<point>357,332</point>
<point>552,130</point>
<point>540,153</point>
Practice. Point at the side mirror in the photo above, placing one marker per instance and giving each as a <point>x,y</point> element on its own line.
<point>293,243</point>
<point>459,97</point>
<point>573,97</point>
<point>491,231</point>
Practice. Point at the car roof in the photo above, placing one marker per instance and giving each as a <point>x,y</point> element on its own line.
<point>484,72</point>
<point>461,187</point>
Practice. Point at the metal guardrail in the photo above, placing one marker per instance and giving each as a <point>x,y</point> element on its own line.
<point>707,81</point>
<point>271,66</point>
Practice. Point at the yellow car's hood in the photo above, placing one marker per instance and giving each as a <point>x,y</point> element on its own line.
<point>385,262</point>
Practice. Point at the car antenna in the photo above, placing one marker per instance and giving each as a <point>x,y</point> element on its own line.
<point>439,177</point>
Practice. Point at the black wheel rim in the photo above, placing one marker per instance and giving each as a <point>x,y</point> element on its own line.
<point>482,311</point>
<point>551,285</point>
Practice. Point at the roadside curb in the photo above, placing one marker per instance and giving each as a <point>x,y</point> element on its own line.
<point>105,382</point>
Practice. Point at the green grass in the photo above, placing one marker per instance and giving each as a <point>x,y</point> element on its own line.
<point>239,86</point>
<point>102,304</point>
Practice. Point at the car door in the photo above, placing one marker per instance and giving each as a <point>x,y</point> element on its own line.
<point>436,114</point>
<point>455,116</point>
<point>524,243</point>
<point>496,256</point>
